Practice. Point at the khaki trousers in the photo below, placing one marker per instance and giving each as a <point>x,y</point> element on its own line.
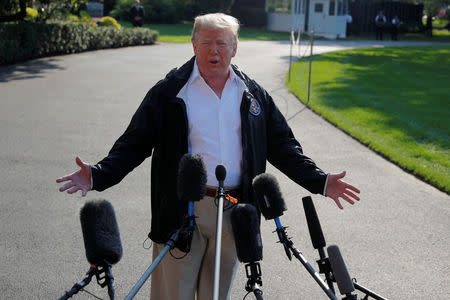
<point>192,277</point>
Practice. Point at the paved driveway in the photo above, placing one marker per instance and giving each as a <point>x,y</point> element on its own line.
<point>395,241</point>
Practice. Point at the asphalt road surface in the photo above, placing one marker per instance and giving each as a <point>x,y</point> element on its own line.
<point>395,241</point>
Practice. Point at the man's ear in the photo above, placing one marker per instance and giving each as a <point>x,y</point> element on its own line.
<point>234,49</point>
<point>194,46</point>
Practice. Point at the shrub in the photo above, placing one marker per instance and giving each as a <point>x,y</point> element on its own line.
<point>24,41</point>
<point>109,21</point>
<point>32,14</point>
<point>85,14</point>
<point>86,20</point>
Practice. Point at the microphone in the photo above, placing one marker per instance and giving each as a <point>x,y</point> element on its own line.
<point>102,244</point>
<point>221,173</point>
<point>317,239</point>
<point>272,206</point>
<point>100,232</point>
<point>191,186</point>
<point>271,203</point>
<point>247,237</point>
<point>343,280</point>
<point>315,230</point>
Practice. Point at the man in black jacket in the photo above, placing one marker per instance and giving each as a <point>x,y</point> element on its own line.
<point>137,14</point>
<point>209,107</point>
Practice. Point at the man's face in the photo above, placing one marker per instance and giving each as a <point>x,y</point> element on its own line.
<point>214,49</point>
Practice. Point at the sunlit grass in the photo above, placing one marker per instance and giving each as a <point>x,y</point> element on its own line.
<point>181,33</point>
<point>395,100</point>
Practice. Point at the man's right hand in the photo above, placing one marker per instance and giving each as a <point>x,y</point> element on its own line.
<point>79,180</point>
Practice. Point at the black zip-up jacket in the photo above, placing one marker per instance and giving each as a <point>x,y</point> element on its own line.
<point>160,126</point>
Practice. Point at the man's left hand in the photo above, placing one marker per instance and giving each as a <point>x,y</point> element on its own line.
<point>336,188</point>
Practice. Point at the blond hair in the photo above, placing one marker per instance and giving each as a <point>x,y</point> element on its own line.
<point>216,21</point>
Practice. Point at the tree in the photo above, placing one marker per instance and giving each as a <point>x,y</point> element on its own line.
<point>15,10</point>
<point>431,8</point>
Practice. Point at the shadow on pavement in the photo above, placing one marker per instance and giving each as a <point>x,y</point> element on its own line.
<point>28,70</point>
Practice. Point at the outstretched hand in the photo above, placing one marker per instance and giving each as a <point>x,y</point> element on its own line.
<point>79,180</point>
<point>336,188</point>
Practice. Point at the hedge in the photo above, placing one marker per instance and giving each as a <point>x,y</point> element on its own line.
<point>25,41</point>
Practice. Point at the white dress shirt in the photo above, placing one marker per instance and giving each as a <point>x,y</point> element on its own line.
<point>215,125</point>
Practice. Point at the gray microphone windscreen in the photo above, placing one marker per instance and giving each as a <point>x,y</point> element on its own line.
<point>100,232</point>
<point>340,272</point>
<point>191,185</point>
<point>268,196</point>
<point>247,234</point>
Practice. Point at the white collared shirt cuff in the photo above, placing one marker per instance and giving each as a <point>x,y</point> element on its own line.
<point>92,179</point>
<point>325,187</point>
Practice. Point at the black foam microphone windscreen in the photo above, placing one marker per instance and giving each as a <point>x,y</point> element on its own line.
<point>221,173</point>
<point>247,234</point>
<point>191,185</point>
<point>268,196</point>
<point>340,272</point>
<point>100,232</point>
<point>315,230</point>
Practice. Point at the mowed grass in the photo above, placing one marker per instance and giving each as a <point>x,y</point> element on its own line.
<point>181,33</point>
<point>395,100</point>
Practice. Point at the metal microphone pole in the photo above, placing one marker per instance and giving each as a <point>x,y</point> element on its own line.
<point>221,173</point>
<point>367,291</point>
<point>169,245</point>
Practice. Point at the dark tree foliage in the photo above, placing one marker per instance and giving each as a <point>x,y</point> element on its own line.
<point>15,10</point>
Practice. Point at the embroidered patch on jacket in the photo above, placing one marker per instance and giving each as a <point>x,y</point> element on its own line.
<point>255,108</point>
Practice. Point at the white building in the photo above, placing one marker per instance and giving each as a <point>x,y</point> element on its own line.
<point>325,17</point>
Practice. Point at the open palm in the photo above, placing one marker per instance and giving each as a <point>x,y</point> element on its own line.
<point>78,181</point>
<point>336,188</point>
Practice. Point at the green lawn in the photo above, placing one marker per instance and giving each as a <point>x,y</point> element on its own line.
<point>181,33</point>
<point>395,100</point>
<point>439,35</point>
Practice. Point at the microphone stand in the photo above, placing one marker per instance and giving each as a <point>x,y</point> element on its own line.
<point>367,291</point>
<point>253,271</point>
<point>285,240</point>
<point>186,231</point>
<point>97,270</point>
<point>325,268</point>
<point>218,245</point>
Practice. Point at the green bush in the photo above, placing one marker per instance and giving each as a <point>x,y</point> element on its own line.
<point>32,14</point>
<point>24,41</point>
<point>109,21</point>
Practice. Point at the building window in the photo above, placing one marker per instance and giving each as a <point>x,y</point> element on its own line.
<point>332,7</point>
<point>279,6</point>
<point>340,8</point>
<point>318,8</point>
